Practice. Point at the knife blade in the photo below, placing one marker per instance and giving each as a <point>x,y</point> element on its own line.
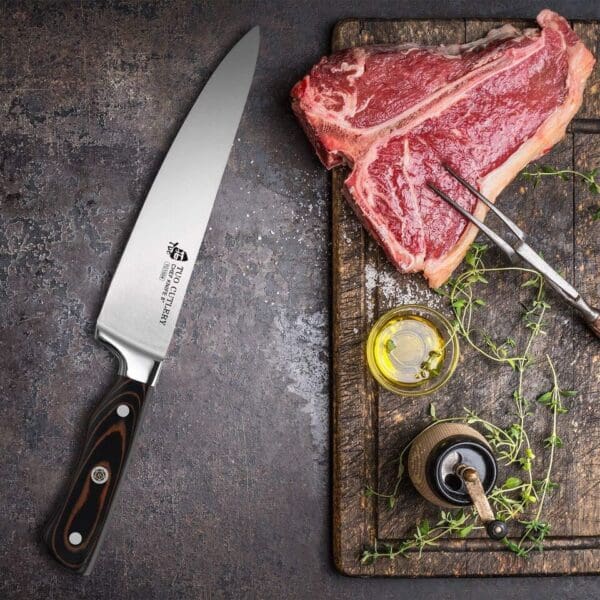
<point>139,313</point>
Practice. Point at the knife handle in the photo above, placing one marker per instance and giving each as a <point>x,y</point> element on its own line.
<point>74,533</point>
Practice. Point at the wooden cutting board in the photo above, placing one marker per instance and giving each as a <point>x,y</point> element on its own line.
<point>371,425</point>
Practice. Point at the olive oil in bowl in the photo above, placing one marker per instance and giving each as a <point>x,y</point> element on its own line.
<point>411,350</point>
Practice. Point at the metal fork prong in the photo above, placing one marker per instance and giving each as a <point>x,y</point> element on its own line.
<point>503,245</point>
<point>508,222</point>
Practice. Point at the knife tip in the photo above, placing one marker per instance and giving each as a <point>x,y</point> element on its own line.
<point>254,32</point>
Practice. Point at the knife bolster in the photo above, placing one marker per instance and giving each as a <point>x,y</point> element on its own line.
<point>133,363</point>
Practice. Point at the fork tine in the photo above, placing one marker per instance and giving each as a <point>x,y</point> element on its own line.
<point>503,245</point>
<point>508,222</point>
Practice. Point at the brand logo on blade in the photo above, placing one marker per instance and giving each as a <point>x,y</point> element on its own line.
<point>171,274</point>
<point>175,252</point>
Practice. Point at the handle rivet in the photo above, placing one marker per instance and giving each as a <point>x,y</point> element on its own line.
<point>123,410</point>
<point>99,475</point>
<point>75,538</point>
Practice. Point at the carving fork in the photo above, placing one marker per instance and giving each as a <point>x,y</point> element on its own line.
<point>521,249</point>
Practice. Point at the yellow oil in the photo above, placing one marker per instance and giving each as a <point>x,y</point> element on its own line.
<point>408,350</point>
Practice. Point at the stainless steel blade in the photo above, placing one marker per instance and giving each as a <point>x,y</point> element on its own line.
<point>147,290</point>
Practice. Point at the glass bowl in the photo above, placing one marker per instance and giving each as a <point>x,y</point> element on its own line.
<point>412,350</point>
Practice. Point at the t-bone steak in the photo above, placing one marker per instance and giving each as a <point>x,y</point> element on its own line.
<point>396,114</point>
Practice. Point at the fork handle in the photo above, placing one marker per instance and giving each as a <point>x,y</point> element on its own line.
<point>595,326</point>
<point>590,315</point>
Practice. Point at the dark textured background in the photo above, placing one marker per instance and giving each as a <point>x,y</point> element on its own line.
<point>229,493</point>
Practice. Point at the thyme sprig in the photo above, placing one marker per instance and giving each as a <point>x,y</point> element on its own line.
<point>461,293</point>
<point>521,498</point>
<point>591,178</point>
<point>460,523</point>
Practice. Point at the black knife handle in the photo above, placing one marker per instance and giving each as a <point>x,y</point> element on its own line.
<point>74,533</point>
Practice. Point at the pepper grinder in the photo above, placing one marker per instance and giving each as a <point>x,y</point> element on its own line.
<point>452,465</point>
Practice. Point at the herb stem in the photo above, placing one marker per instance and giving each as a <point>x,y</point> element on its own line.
<point>556,393</point>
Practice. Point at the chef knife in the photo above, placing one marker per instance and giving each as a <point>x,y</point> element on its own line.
<point>140,310</point>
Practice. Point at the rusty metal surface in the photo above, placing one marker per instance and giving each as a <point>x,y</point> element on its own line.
<point>228,494</point>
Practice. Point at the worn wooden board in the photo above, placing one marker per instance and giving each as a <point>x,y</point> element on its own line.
<point>372,425</point>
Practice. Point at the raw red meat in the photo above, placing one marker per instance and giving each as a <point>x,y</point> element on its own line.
<point>395,114</point>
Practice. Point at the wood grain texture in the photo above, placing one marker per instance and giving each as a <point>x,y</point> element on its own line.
<point>86,506</point>
<point>590,35</point>
<point>371,425</point>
